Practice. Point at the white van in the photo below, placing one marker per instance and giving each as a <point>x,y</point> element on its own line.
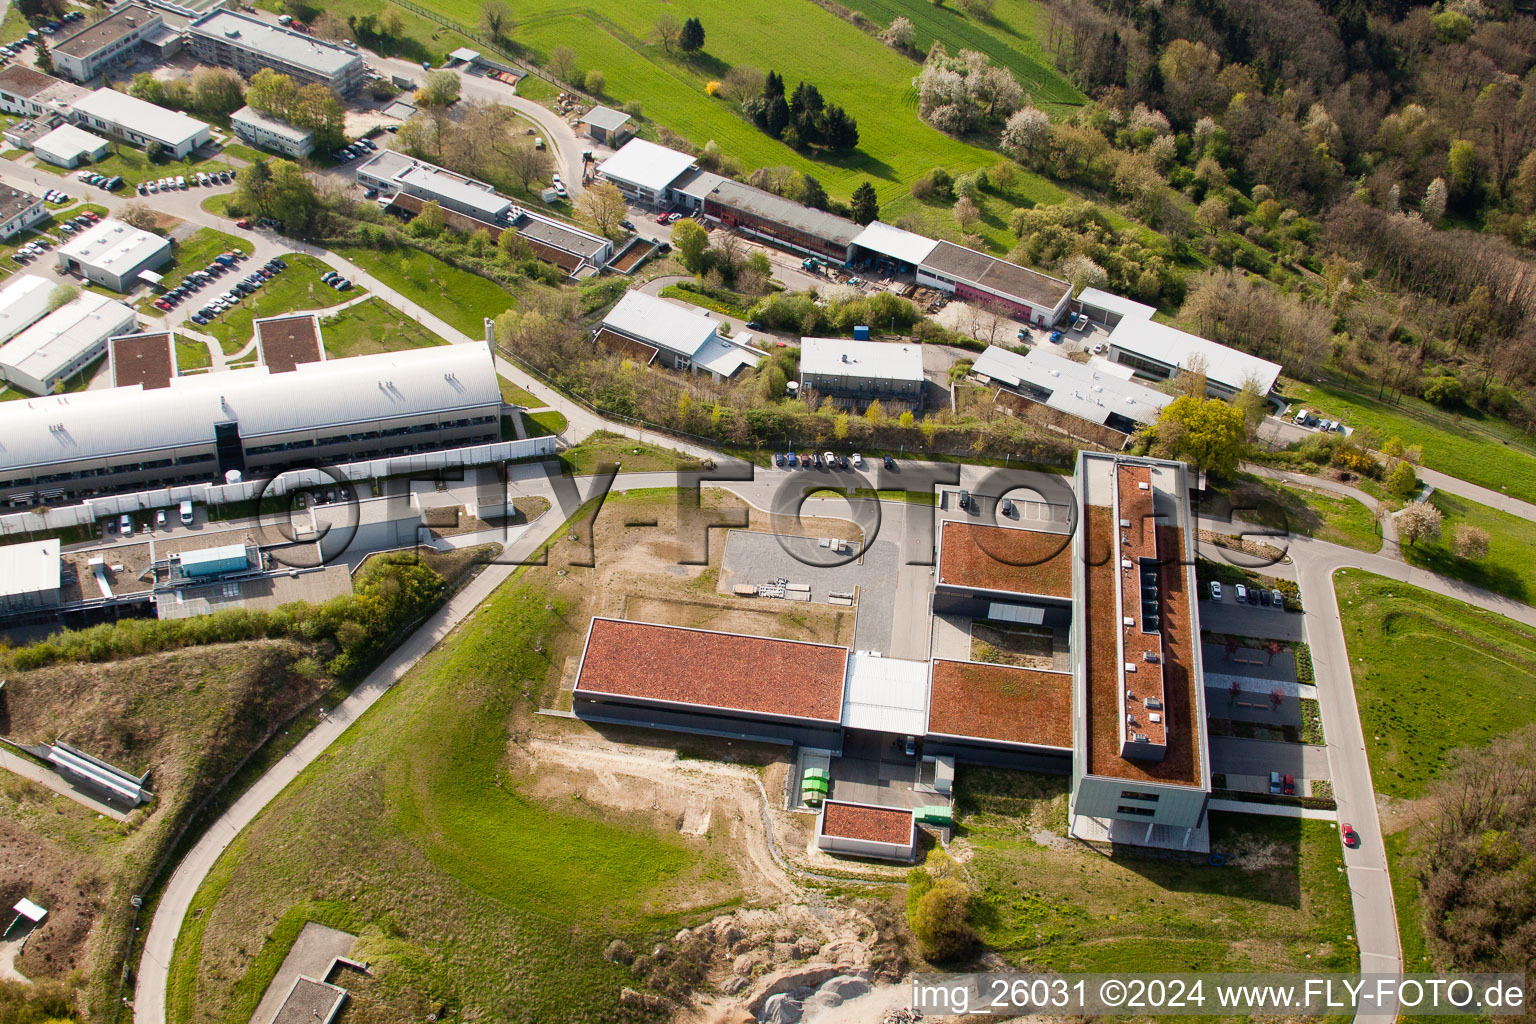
<point>186,513</point>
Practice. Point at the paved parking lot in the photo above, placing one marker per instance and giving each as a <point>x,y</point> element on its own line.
<point>1227,616</point>
<point>1236,756</point>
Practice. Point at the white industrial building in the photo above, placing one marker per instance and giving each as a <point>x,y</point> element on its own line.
<point>391,171</point>
<point>23,301</point>
<point>863,371</point>
<point>676,336</point>
<point>644,171</point>
<point>1158,351</point>
<point>272,133</point>
<point>139,122</point>
<point>113,254</point>
<point>31,93</point>
<point>1097,391</point>
<point>86,53</point>
<point>29,575</point>
<point>67,146</point>
<point>64,342</point>
<point>233,40</point>
<point>250,421</point>
<point>881,241</point>
<point>19,210</point>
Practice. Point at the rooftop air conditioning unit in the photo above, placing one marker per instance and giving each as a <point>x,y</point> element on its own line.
<point>1151,656</point>
<point>1155,702</point>
<point>1125,524</point>
<point>1156,717</point>
<point>1141,485</point>
<point>1139,738</point>
<point>1130,666</point>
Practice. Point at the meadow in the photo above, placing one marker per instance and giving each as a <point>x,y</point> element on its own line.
<point>1507,568</point>
<point>1431,675</point>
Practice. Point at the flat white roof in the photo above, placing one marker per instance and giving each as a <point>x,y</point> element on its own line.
<point>22,301</point>
<point>1076,388</point>
<point>878,360</point>
<point>668,325</point>
<point>29,568</point>
<point>886,695</point>
<point>726,355</point>
<point>897,243</point>
<point>451,186</point>
<point>362,389</point>
<point>29,910</point>
<point>1173,347</point>
<point>168,127</point>
<point>113,246</point>
<point>1115,303</point>
<point>273,125</point>
<point>64,335</point>
<point>606,118</point>
<point>314,55</point>
<point>646,165</point>
<point>69,141</point>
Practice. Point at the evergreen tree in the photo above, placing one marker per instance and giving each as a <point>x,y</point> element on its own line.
<point>866,207</point>
<point>777,116</point>
<point>691,39</point>
<point>773,85</point>
<point>840,130</point>
<point>812,194</point>
<point>44,58</point>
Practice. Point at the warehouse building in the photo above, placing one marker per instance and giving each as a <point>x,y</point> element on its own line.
<point>781,221</point>
<point>644,172</point>
<point>679,337</point>
<point>30,93</point>
<point>886,247</point>
<point>30,576</point>
<point>69,146</point>
<point>64,342</point>
<point>608,127</point>
<point>114,254</point>
<point>1160,352</point>
<point>147,360</point>
<point>576,252</point>
<point>391,171</point>
<point>84,54</point>
<point>23,302</point>
<point>272,133</point>
<point>1094,391</point>
<point>249,421</point>
<point>19,211</point>
<point>857,372</point>
<point>233,40</point>
<point>976,277</point>
<point>139,122</point>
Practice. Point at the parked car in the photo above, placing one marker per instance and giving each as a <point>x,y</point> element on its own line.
<point>125,525</point>
<point>1253,595</point>
<point>661,218</point>
<point>1278,599</point>
<point>792,459</point>
<point>1215,590</point>
<point>1263,596</point>
<point>778,458</point>
<point>1351,837</point>
<point>1275,785</point>
<point>890,463</point>
<point>1080,324</point>
<point>829,459</point>
<point>858,461</point>
<point>242,223</point>
<point>1006,507</point>
<point>1242,593</point>
<point>1288,784</point>
<point>1056,337</point>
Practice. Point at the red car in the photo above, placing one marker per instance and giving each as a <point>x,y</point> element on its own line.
<point>242,223</point>
<point>1290,785</point>
<point>661,218</point>
<point>162,304</point>
<point>1351,837</point>
<point>88,215</point>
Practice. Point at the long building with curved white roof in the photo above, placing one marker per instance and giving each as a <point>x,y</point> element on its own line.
<point>251,420</point>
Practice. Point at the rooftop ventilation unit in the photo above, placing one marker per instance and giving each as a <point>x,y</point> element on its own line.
<point>1154,703</point>
<point>1155,717</point>
<point>1139,738</point>
<point>1151,656</point>
<point>1141,485</point>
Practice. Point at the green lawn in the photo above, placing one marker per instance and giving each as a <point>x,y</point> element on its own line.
<point>1431,675</point>
<point>14,26</point>
<point>803,42</point>
<point>461,298</point>
<point>1307,511</point>
<point>544,424</point>
<point>514,395</point>
<point>632,456</point>
<point>297,288</point>
<point>246,153</point>
<point>1280,903</point>
<point>413,833</point>
<point>1508,568</point>
<point>135,167</point>
<point>191,355</point>
<point>195,252</point>
<point>373,326</point>
<point>1483,451</point>
<point>218,203</point>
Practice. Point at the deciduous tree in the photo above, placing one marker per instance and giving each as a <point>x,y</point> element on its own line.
<point>666,30</point>
<point>1419,520</point>
<point>496,19</point>
<point>602,205</point>
<point>690,240</point>
<point>1469,542</point>
<point>1207,433</point>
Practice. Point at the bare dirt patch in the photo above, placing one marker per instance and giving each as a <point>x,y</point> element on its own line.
<point>1020,647</point>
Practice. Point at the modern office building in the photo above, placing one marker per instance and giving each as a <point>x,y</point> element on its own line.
<point>113,254</point>
<point>23,302</point>
<point>139,122</point>
<point>234,40</point>
<point>253,421</point>
<point>859,372</point>
<point>271,133</point>
<point>644,171</point>
<point>86,53</point>
<point>1098,391</point>
<point>30,576</point>
<point>392,171</point>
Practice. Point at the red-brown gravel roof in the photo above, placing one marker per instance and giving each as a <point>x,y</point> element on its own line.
<point>874,824</point>
<point>1001,702</point>
<point>724,670</point>
<point>1004,558</point>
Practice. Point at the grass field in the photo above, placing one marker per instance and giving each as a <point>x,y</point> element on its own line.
<point>801,41</point>
<point>1431,674</point>
<point>297,288</point>
<point>194,253</point>
<point>514,395</point>
<point>1508,568</point>
<point>373,326</point>
<point>1280,903</point>
<point>464,888</point>
<point>191,355</point>
<point>545,423</point>
<point>459,297</point>
<point>632,456</point>
<point>1483,451</point>
<point>135,167</point>
<point>1307,511</point>
<point>13,28</point>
